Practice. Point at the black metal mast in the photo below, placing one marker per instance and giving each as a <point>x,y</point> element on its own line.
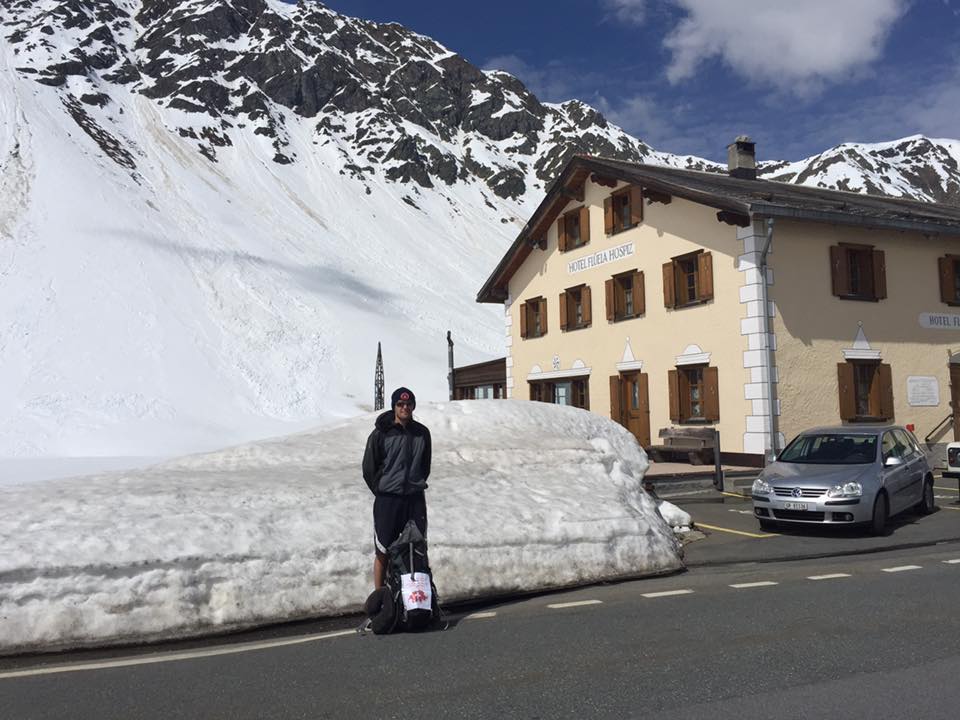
<point>450,378</point>
<point>378,382</point>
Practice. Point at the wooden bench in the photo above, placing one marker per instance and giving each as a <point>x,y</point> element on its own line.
<point>693,445</point>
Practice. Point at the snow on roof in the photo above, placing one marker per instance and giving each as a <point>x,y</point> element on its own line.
<point>523,496</point>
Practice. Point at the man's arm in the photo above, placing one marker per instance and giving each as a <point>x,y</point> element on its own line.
<point>372,461</point>
<point>427,452</point>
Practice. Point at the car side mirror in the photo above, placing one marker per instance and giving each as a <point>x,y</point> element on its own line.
<point>892,461</point>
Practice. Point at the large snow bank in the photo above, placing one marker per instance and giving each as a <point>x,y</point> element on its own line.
<point>523,496</point>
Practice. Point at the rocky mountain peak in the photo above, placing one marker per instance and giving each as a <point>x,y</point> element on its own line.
<point>394,103</point>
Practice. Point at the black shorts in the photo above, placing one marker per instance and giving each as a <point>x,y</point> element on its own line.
<point>390,515</point>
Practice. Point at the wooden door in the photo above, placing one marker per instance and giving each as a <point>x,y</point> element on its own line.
<point>635,404</point>
<point>955,398</point>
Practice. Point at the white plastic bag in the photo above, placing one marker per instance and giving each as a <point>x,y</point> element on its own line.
<point>416,592</point>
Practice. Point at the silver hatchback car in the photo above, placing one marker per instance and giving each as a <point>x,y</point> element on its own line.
<point>845,475</point>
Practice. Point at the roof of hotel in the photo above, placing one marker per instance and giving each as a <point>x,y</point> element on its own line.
<point>738,200</point>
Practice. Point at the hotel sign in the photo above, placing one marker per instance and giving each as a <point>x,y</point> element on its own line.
<point>602,257</point>
<point>939,321</point>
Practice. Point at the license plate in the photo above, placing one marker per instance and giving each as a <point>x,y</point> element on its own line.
<point>794,506</point>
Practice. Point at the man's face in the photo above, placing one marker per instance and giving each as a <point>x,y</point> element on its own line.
<point>404,411</point>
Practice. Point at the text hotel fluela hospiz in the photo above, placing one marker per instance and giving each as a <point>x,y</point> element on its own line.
<point>601,257</point>
<point>939,321</point>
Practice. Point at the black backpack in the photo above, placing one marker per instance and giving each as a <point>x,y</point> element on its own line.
<point>408,600</point>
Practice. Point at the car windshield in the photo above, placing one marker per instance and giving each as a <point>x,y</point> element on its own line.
<point>831,449</point>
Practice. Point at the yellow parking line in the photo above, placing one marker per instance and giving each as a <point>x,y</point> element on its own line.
<point>945,507</point>
<point>736,495</point>
<point>937,487</point>
<point>736,532</point>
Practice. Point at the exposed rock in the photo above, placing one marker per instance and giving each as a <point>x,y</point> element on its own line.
<point>395,103</point>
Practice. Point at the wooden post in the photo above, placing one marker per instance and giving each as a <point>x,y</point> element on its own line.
<point>717,469</point>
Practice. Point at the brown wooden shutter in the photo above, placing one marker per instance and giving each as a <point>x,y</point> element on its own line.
<point>705,276</point>
<point>611,299</point>
<point>947,287</point>
<point>639,294</point>
<point>616,409</point>
<point>636,205</point>
<point>643,381</point>
<point>523,320</point>
<point>839,270</point>
<point>848,400</point>
<point>584,225</point>
<point>587,305</point>
<point>884,377</point>
<point>608,215</point>
<point>673,379</point>
<point>563,311</point>
<point>879,275</point>
<point>669,293</point>
<point>543,316</point>
<point>562,234</point>
<point>711,394</point>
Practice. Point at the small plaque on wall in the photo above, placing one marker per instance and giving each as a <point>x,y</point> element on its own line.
<point>923,391</point>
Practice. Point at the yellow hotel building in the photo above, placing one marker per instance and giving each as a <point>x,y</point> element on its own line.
<point>673,298</point>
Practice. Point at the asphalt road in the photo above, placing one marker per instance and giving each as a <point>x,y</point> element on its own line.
<point>733,534</point>
<point>846,637</point>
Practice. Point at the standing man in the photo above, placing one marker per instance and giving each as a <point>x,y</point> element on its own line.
<point>396,465</point>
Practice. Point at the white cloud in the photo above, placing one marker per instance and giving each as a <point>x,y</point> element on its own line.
<point>793,46</point>
<point>903,109</point>
<point>628,11</point>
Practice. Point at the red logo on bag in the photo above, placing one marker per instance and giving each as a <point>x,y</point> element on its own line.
<point>418,596</point>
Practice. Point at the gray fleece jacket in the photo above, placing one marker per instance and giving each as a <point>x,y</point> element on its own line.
<point>397,459</point>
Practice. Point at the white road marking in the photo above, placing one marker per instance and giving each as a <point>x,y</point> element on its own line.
<point>480,615</point>
<point>901,568</point>
<point>762,583</point>
<point>952,562</point>
<point>173,657</point>
<point>558,606</point>
<point>667,593</point>
<point>742,512</point>
<point>831,576</point>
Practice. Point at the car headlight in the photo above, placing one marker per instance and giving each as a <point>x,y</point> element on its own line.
<point>761,487</point>
<point>850,489</point>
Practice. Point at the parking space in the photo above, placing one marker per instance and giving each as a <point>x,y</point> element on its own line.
<point>946,493</point>
<point>733,535</point>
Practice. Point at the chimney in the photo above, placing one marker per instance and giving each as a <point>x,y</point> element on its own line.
<point>742,158</point>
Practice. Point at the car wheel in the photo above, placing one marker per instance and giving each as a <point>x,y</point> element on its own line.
<point>927,505</point>
<point>878,522</point>
<point>769,525</point>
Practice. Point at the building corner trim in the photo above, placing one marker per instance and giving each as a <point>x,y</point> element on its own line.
<point>761,434</point>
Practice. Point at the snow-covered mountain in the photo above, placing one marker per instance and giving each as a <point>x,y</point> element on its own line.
<point>913,167</point>
<point>212,210</point>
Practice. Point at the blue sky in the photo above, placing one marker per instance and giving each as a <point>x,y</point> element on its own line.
<point>687,76</point>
